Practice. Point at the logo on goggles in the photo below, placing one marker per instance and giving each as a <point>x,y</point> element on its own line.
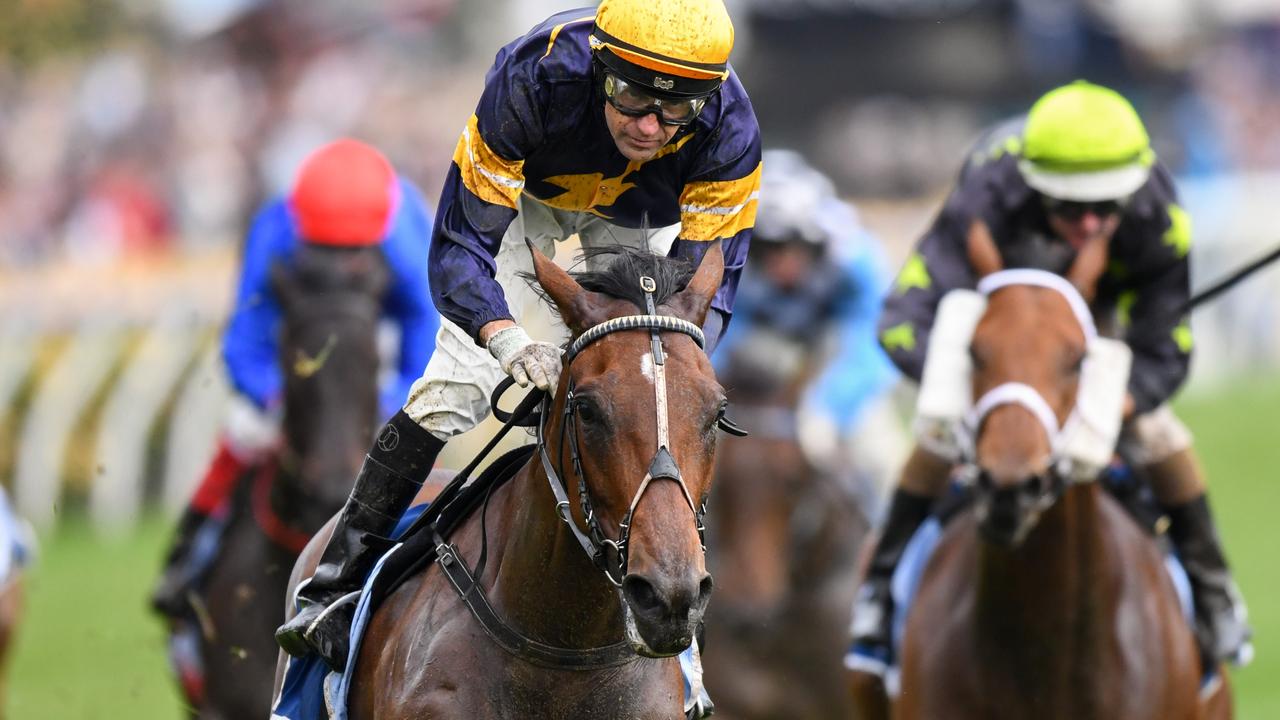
<point>662,83</point>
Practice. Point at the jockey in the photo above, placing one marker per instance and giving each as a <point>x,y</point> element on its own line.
<point>812,292</point>
<point>345,195</point>
<point>624,125</point>
<point>1077,167</point>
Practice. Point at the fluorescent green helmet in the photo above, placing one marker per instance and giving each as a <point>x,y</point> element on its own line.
<point>1085,142</point>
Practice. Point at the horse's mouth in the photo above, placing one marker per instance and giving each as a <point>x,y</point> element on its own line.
<point>662,642</point>
<point>1004,531</point>
<point>1008,513</point>
<point>1005,518</point>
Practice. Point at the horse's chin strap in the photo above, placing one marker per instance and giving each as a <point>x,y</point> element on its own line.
<point>611,555</point>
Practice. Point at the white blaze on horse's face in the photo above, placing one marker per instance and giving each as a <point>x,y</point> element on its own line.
<point>646,366</point>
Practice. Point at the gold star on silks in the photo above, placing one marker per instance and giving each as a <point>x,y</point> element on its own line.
<point>585,192</point>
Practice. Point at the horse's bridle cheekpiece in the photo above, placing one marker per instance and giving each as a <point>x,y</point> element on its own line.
<point>611,555</point>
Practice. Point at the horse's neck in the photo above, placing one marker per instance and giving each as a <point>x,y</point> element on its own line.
<point>1044,603</point>
<point>546,586</point>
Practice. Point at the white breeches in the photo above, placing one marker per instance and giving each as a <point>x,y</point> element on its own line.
<point>452,396</point>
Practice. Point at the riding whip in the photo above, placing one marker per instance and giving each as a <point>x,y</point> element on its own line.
<point>1229,281</point>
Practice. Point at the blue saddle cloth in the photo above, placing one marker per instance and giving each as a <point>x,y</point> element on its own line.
<point>906,583</point>
<point>311,691</point>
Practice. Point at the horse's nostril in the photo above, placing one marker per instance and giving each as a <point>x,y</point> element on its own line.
<point>1039,484</point>
<point>641,594</point>
<point>704,590</point>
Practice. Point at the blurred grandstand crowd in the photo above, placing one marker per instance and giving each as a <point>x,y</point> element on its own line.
<point>135,125</point>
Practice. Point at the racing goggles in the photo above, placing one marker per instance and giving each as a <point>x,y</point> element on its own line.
<point>633,101</point>
<point>1073,210</point>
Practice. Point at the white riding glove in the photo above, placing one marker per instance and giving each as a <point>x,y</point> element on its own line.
<point>525,359</point>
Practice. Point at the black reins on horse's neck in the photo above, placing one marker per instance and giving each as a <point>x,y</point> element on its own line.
<point>464,580</point>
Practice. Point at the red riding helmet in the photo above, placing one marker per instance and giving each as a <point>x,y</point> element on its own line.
<point>345,194</point>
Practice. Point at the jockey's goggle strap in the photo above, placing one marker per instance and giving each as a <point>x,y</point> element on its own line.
<point>633,101</point>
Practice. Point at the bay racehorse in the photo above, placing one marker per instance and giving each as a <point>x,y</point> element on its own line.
<point>783,548</point>
<point>332,301</point>
<point>630,433</point>
<point>1046,599</point>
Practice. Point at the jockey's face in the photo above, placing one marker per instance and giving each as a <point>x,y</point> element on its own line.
<point>1077,225</point>
<point>637,138</point>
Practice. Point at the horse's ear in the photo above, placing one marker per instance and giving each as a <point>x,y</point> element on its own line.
<point>693,302</point>
<point>984,256</point>
<point>574,302</point>
<point>1088,266</point>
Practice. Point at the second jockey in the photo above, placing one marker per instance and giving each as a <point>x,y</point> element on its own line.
<point>1077,168</point>
<point>808,302</point>
<point>346,194</point>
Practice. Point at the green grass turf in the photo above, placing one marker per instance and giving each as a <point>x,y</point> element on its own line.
<point>89,649</point>
<point>1236,436</point>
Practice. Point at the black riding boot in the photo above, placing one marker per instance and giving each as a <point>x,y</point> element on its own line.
<point>873,607</point>
<point>1222,629</point>
<point>169,598</point>
<point>393,471</point>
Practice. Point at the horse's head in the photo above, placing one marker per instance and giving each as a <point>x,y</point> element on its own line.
<point>331,300</point>
<point>637,411</point>
<point>1028,352</point>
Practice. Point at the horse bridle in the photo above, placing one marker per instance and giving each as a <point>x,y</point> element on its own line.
<point>1023,395</point>
<point>607,554</point>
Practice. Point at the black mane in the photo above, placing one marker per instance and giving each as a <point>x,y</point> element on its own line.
<point>622,268</point>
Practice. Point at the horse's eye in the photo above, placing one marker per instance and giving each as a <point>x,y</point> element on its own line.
<point>587,410</point>
<point>715,421</point>
<point>1077,364</point>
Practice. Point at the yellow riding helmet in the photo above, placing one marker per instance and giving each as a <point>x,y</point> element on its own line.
<point>1085,142</point>
<point>672,48</point>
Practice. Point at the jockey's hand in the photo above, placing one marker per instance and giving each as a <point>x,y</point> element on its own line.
<point>526,360</point>
<point>1129,407</point>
